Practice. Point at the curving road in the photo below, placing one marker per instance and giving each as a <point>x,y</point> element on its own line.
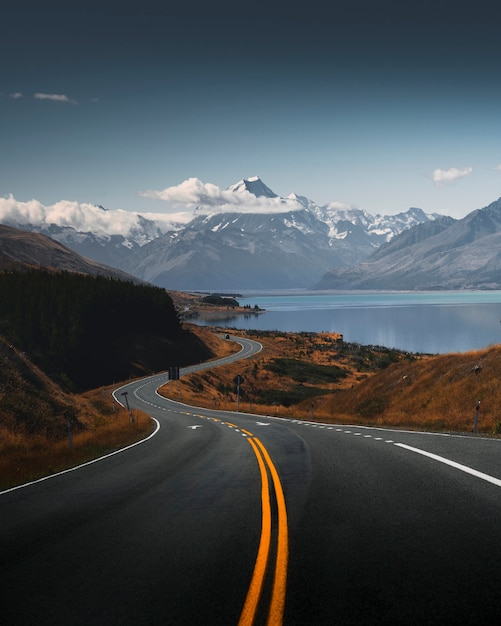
<point>232,518</point>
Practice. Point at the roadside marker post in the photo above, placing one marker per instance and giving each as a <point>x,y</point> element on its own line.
<point>475,421</point>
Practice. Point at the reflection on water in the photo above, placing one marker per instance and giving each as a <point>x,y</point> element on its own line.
<point>429,323</point>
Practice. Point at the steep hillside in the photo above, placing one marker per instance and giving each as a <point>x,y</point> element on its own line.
<point>83,323</point>
<point>88,331</point>
<point>31,402</point>
<point>20,249</point>
<point>438,393</point>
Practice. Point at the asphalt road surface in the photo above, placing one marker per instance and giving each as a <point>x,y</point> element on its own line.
<point>232,518</point>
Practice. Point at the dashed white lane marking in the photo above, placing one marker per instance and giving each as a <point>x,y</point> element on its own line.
<point>436,457</point>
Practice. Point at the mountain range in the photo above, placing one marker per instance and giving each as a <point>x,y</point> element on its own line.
<point>259,240</point>
<point>444,254</point>
<point>284,242</point>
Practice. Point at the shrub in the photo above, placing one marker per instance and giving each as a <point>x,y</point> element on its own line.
<point>372,407</point>
<point>306,372</point>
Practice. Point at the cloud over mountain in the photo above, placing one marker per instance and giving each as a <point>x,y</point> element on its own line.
<point>245,236</point>
<point>83,217</point>
<point>207,197</point>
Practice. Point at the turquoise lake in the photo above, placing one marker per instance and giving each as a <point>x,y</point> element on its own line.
<point>427,322</point>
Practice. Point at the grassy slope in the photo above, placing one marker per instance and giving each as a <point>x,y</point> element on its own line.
<point>430,392</point>
<point>35,413</point>
<point>368,386</point>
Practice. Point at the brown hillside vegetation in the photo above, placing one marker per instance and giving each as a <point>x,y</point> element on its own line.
<point>35,414</point>
<point>37,417</point>
<point>438,393</point>
<point>377,387</point>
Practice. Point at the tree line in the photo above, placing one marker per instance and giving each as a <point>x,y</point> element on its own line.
<point>76,327</point>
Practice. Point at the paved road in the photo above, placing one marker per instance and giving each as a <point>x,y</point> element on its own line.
<point>231,518</point>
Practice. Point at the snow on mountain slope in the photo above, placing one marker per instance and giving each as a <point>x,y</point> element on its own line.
<point>251,238</point>
<point>255,186</point>
<point>444,254</point>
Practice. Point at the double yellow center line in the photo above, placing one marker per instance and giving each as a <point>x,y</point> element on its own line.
<point>277,602</point>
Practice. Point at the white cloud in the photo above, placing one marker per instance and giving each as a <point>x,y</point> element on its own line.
<point>340,206</point>
<point>16,95</point>
<point>55,97</point>
<point>193,192</point>
<point>448,176</point>
<point>498,167</point>
<point>83,217</point>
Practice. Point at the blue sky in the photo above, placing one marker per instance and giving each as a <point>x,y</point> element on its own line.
<point>374,106</point>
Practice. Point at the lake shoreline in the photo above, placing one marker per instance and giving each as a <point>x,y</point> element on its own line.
<point>431,322</point>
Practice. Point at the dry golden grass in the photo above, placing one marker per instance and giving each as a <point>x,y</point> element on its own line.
<point>436,393</point>
<point>106,427</point>
<point>214,340</point>
<point>39,445</point>
<point>439,393</point>
<point>216,388</point>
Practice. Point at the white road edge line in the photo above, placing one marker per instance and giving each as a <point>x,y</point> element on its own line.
<point>463,468</point>
<point>72,469</point>
<point>149,380</point>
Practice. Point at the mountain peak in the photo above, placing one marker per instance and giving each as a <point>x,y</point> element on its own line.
<point>255,186</point>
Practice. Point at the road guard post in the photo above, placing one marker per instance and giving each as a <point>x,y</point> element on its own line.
<point>475,421</point>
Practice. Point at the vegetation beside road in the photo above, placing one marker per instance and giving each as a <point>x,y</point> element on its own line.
<point>291,371</point>
<point>319,377</point>
<point>310,376</point>
<point>37,416</point>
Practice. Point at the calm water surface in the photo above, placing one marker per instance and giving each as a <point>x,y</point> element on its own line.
<point>430,322</point>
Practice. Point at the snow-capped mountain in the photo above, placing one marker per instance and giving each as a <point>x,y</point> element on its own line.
<point>238,251</point>
<point>253,239</point>
<point>89,229</point>
<point>255,186</point>
<point>284,248</point>
<point>445,254</point>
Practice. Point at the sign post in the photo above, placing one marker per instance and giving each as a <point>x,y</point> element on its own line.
<point>124,394</point>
